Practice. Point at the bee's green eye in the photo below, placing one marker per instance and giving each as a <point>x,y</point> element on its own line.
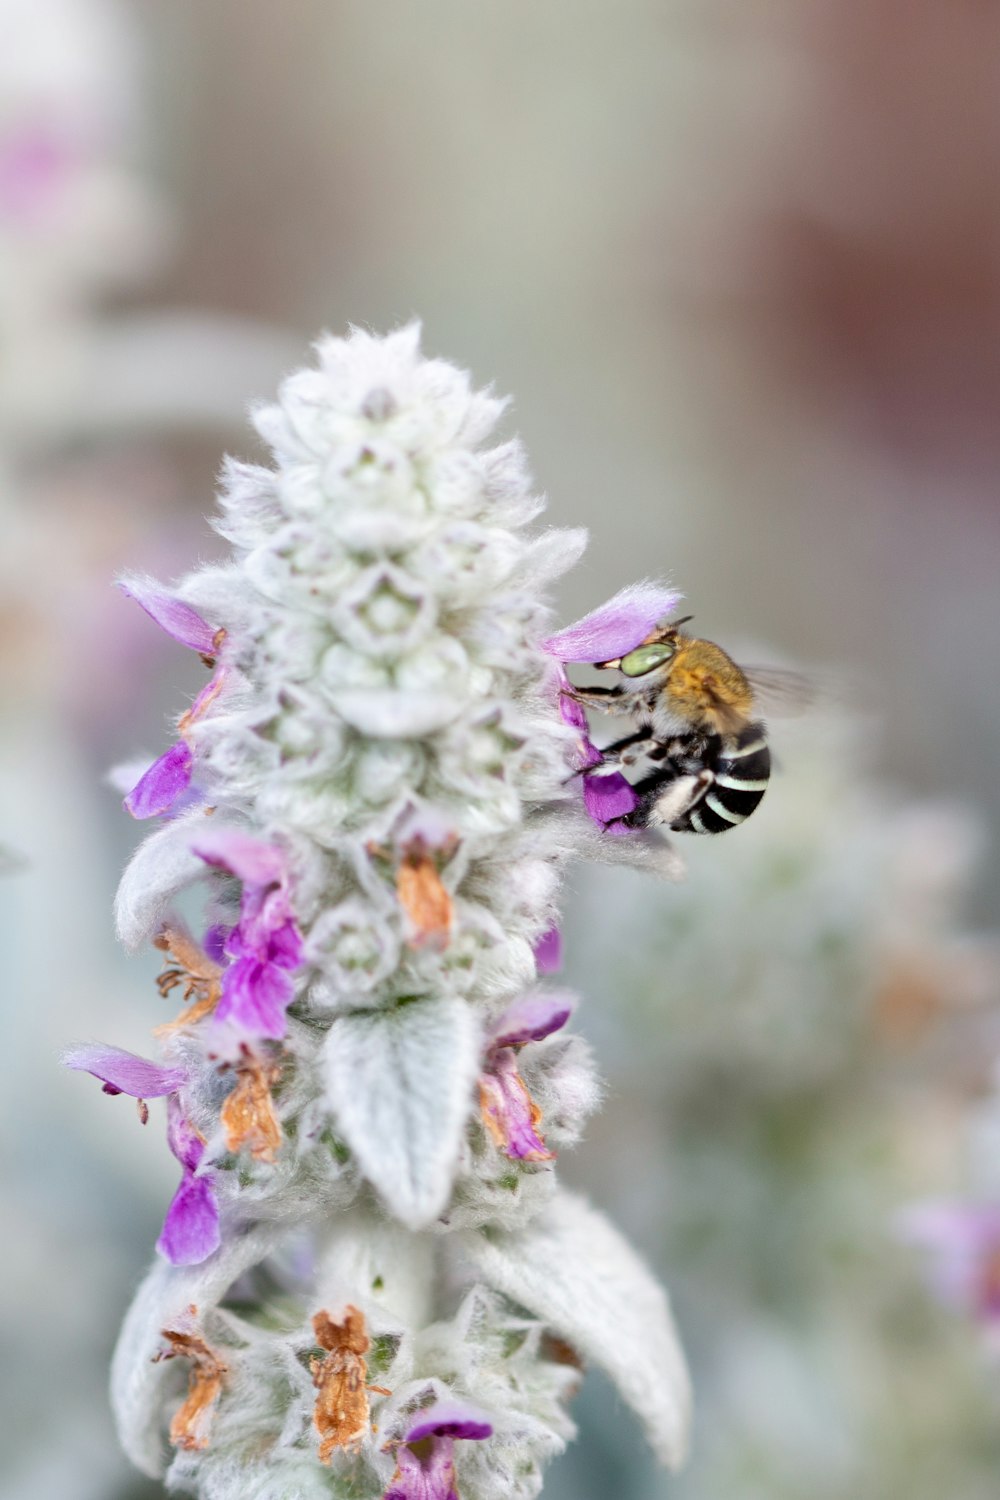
<point>644,658</point>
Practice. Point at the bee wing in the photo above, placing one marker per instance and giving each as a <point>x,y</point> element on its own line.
<point>781,693</point>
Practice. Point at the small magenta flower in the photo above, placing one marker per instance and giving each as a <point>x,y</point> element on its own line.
<point>425,1461</point>
<point>160,789</point>
<point>375,793</point>
<point>191,1228</point>
<point>509,1113</point>
<point>190,1231</point>
<point>265,946</point>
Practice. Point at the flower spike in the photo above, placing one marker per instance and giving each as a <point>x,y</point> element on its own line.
<point>374,799</point>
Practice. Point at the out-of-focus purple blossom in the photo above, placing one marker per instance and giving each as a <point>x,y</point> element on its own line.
<point>962,1241</point>
<point>549,952</point>
<point>124,1072</point>
<point>431,1475</point>
<point>36,162</point>
<point>508,1110</point>
<point>616,627</point>
<point>182,623</point>
<point>265,946</point>
<point>190,1231</point>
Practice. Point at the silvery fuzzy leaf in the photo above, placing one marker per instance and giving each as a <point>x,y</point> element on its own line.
<point>548,556</point>
<point>400,1085</point>
<point>378,1265</point>
<point>163,1301</point>
<point>161,866</point>
<point>220,593</point>
<point>573,1270</point>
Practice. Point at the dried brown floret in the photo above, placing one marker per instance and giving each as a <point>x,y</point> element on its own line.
<point>193,970</point>
<point>423,897</point>
<point>341,1414</point>
<point>190,1426</point>
<point>248,1117</point>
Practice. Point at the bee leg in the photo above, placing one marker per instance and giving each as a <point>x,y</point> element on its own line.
<point>597,697</point>
<point>613,759</point>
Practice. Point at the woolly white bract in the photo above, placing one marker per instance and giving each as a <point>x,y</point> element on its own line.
<point>375,786</point>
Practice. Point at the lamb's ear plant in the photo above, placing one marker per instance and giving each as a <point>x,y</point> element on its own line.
<point>369,1283</point>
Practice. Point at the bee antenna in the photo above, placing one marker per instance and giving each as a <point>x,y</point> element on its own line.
<point>676,624</point>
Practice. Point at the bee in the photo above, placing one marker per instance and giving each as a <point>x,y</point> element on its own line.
<point>698,737</point>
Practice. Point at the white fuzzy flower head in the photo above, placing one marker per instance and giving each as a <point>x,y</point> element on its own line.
<point>372,1282</point>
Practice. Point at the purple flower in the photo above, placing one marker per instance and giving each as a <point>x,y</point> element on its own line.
<point>549,951</point>
<point>963,1242</point>
<point>266,945</point>
<point>159,790</point>
<point>607,633</point>
<point>508,1110</point>
<point>190,1232</point>
<point>430,1475</point>
<point>191,1229</point>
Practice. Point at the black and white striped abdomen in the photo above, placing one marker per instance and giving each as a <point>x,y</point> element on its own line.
<point>740,773</point>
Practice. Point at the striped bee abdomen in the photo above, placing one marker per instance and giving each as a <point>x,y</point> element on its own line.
<point>740,771</point>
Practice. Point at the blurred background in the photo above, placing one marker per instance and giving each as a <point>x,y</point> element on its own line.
<point>739,266</point>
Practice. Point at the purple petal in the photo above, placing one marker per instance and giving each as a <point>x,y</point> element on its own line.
<point>607,798</point>
<point>285,945</point>
<point>250,860</point>
<point>190,1231</point>
<point>454,1419</point>
<point>549,952</point>
<point>214,942</point>
<point>615,627</point>
<point>165,781</point>
<point>507,1110</point>
<point>184,1141</point>
<point>573,714</point>
<point>533,1017</point>
<point>124,1072</point>
<point>255,997</point>
<point>430,1477</point>
<point>184,624</point>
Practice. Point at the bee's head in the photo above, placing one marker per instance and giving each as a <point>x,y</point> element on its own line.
<point>659,647</point>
